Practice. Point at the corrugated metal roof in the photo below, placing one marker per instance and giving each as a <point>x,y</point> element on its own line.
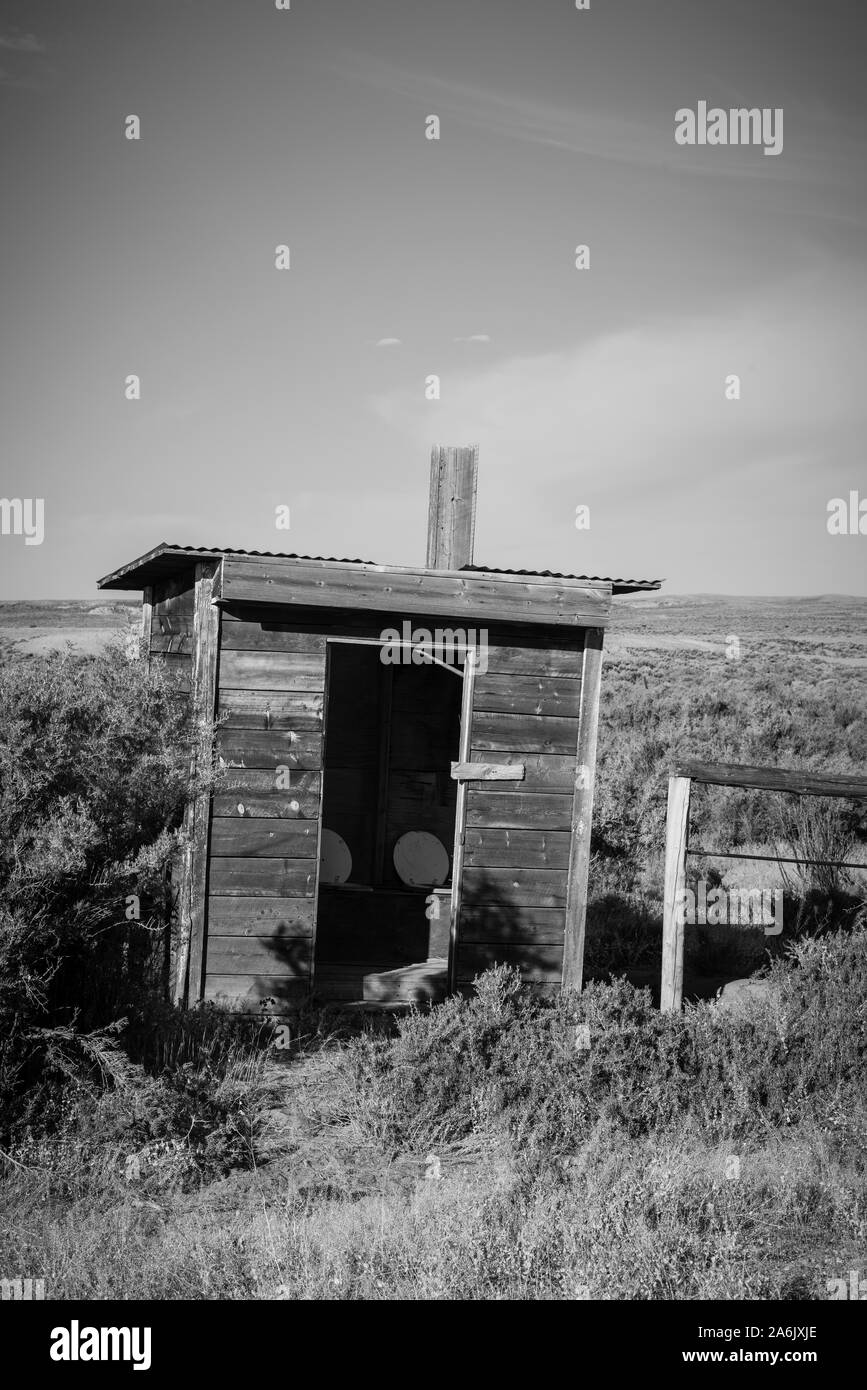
<point>156,564</point>
<point>215,551</point>
<point>165,557</point>
<point>268,554</point>
<point>555,574</point>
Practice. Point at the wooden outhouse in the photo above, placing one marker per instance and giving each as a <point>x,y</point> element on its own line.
<point>409,761</point>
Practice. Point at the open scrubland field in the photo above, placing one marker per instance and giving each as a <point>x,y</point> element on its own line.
<point>767,682</point>
<point>38,628</point>
<point>496,1147</point>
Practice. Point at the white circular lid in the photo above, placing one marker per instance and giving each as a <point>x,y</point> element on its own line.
<point>421,860</point>
<point>335,861</point>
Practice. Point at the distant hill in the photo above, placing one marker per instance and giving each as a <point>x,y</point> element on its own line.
<point>31,629</point>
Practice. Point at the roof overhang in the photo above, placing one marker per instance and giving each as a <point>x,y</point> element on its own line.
<point>166,561</point>
<point>265,579</point>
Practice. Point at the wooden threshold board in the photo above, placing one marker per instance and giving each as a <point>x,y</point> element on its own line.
<point>383,982</point>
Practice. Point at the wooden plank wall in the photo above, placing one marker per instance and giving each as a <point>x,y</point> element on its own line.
<point>264,836</point>
<point>526,707</point>
<point>171,626</point>
<point>203,695</point>
<point>471,599</point>
<point>168,626</point>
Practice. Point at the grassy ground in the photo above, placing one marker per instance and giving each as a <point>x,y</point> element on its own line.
<point>479,1153</point>
<point>636,1219</point>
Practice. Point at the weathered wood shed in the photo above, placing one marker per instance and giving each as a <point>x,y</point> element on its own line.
<point>353,718</point>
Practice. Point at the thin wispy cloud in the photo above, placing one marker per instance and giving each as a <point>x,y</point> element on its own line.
<point>388,342</point>
<point>644,139</point>
<point>23,74</point>
<point>636,424</point>
<point>21,81</point>
<point>21,43</point>
<point>474,338</point>
<point>654,394</point>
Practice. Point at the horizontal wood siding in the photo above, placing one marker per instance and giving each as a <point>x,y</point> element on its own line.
<point>535,960</point>
<point>517,810</point>
<point>261,955</point>
<point>515,694</point>
<point>264,840</point>
<point>269,749</point>
<point>507,733</point>
<point>240,916</point>
<point>273,709</point>
<point>264,837</point>
<point>233,876</point>
<point>171,627</point>
<point>242,635</point>
<point>494,848</point>
<point>281,671</point>
<point>265,834</point>
<point>258,993</point>
<point>252,792</point>
<point>530,925</point>
<point>472,598</point>
<point>517,839</point>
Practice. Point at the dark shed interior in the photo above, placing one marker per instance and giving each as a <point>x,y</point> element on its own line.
<point>391,733</point>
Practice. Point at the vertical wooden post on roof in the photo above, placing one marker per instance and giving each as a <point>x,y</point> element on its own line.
<point>676,837</point>
<point>451,519</point>
<point>582,811</point>
<point>197,816</point>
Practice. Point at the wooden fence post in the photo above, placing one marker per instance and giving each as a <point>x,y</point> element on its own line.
<point>676,833</point>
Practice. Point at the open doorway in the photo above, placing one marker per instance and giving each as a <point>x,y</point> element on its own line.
<point>388,824</point>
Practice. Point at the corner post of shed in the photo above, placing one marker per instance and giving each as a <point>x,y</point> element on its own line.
<point>147,622</point>
<point>464,751</point>
<point>197,815</point>
<point>451,526</point>
<point>676,837</point>
<point>582,811</point>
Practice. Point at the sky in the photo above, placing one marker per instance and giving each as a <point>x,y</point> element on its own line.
<point>412,258</point>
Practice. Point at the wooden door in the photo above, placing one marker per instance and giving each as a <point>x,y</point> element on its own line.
<point>513,837</point>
